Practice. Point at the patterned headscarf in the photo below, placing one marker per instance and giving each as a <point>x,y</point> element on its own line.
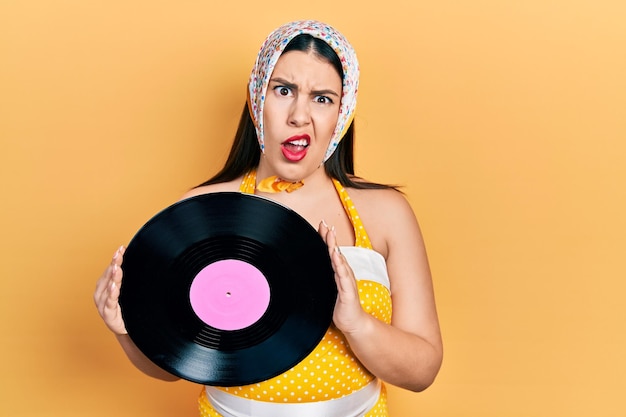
<point>266,60</point>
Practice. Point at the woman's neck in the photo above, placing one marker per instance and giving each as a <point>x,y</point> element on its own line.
<point>315,179</point>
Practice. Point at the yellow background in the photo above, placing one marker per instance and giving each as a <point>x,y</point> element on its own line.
<point>504,120</point>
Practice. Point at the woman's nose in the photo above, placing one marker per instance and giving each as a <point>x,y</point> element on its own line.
<point>300,113</point>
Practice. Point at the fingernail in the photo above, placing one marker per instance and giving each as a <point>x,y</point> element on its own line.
<point>337,250</point>
<point>118,252</point>
<point>324,223</point>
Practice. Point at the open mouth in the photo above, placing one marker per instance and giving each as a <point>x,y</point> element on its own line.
<point>295,148</point>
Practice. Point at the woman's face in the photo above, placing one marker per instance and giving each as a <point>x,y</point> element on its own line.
<point>300,115</point>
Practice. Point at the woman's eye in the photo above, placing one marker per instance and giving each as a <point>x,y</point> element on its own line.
<point>282,90</point>
<point>323,100</point>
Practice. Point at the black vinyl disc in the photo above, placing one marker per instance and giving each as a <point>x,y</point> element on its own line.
<point>227,289</point>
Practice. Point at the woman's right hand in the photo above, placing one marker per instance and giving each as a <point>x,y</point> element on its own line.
<point>107,294</point>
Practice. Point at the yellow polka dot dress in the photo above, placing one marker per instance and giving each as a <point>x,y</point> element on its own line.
<point>331,370</point>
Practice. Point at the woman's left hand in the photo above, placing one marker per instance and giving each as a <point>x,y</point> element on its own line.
<point>348,316</point>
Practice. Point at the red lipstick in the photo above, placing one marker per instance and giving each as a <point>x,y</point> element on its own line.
<point>295,147</point>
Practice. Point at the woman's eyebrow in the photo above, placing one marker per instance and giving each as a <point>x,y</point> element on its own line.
<point>323,92</point>
<point>284,82</point>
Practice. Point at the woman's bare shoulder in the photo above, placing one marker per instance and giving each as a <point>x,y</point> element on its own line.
<point>230,186</point>
<point>386,215</point>
<point>383,199</point>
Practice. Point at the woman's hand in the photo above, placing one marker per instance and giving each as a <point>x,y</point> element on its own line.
<point>107,297</point>
<point>107,293</point>
<point>348,315</point>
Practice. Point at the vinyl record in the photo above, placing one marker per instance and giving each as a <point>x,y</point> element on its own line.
<point>227,289</point>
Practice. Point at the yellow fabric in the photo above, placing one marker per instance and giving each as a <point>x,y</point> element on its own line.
<point>276,185</point>
<point>331,370</point>
<point>361,239</point>
<point>248,184</point>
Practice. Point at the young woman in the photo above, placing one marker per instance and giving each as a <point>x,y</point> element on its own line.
<point>294,145</point>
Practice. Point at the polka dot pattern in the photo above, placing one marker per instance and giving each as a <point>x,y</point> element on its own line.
<point>248,184</point>
<point>375,299</point>
<point>361,239</point>
<point>331,370</point>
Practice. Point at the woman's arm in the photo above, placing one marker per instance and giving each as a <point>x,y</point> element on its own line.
<point>408,353</point>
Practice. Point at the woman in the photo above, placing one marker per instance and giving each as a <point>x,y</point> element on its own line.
<point>294,145</point>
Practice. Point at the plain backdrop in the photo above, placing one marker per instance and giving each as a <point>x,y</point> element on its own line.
<point>503,120</point>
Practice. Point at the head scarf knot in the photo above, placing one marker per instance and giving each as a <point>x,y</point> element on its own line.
<point>268,55</point>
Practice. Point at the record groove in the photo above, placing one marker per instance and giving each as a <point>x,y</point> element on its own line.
<point>171,249</point>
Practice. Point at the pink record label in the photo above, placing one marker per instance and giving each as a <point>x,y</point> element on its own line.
<point>229,294</point>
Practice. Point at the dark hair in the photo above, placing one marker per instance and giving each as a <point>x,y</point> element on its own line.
<point>245,152</point>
